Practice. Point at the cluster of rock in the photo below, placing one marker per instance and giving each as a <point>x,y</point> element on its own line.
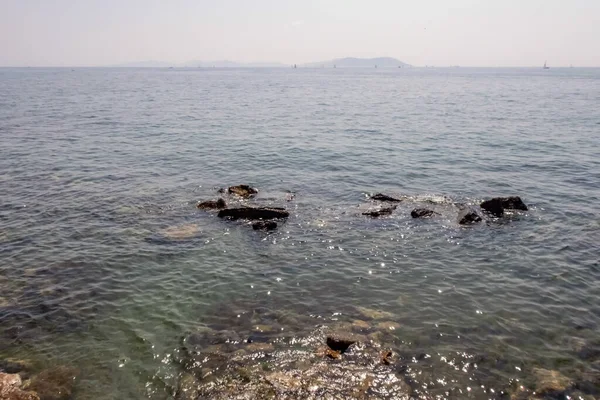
<point>262,216</point>
<point>17,383</point>
<point>494,207</point>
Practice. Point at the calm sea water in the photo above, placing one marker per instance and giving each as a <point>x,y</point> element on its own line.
<point>100,170</point>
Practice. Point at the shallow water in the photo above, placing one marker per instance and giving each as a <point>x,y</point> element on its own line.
<point>107,264</point>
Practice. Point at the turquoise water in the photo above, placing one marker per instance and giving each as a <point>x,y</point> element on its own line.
<point>101,168</point>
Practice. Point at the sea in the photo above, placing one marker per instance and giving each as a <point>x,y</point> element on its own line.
<point>106,263</point>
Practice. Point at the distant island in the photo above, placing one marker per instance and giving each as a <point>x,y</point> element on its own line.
<point>352,62</point>
<point>348,62</point>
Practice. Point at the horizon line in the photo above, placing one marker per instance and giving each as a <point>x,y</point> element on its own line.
<point>305,66</point>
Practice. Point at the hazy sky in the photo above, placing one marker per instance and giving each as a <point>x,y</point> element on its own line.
<point>420,32</point>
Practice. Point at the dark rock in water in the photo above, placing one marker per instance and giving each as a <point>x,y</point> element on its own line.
<point>588,382</point>
<point>54,384</point>
<point>468,216</point>
<point>340,342</point>
<point>206,338</point>
<point>380,212</point>
<point>497,205</point>
<point>11,366</point>
<point>264,226</point>
<point>588,351</point>
<point>422,213</point>
<point>212,205</point>
<point>243,191</point>
<point>10,388</point>
<point>253,213</point>
<point>383,197</point>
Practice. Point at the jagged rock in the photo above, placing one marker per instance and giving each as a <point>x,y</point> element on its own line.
<point>380,212</point>
<point>550,383</point>
<point>326,351</point>
<point>264,226</point>
<point>383,197</point>
<point>244,191</point>
<point>340,341</point>
<point>422,213</point>
<point>10,388</point>
<point>253,213</point>
<point>386,357</point>
<point>497,205</point>
<point>54,384</point>
<point>212,205</point>
<point>468,216</point>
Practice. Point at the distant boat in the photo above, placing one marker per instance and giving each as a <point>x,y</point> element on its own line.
<point>295,66</point>
<point>545,65</point>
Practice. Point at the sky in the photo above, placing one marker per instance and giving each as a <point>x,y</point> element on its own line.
<point>419,32</point>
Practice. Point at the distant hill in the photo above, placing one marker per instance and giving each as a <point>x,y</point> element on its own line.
<point>144,64</point>
<point>352,62</point>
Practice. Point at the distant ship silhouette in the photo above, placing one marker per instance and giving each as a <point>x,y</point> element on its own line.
<point>545,65</point>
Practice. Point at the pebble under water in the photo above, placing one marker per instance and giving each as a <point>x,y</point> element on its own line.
<point>108,267</point>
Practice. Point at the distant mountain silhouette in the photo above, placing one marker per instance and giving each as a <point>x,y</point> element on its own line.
<point>352,62</point>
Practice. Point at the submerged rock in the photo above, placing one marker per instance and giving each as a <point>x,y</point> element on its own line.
<point>383,197</point>
<point>212,205</point>
<point>13,366</point>
<point>588,382</point>
<point>380,212</point>
<point>181,231</point>
<point>244,191</point>
<point>388,325</point>
<point>10,388</point>
<point>468,216</point>
<point>497,205</point>
<point>550,383</point>
<point>254,213</point>
<point>422,213</point>
<point>300,368</point>
<point>187,389</point>
<point>374,314</point>
<point>54,384</point>
<point>360,325</point>
<point>264,226</point>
